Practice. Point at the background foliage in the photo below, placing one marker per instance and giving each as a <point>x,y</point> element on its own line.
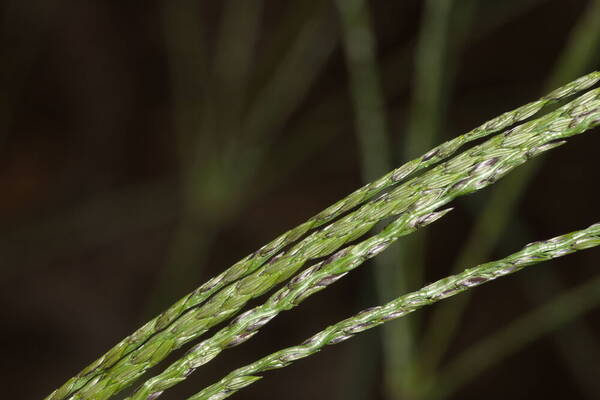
<point>146,148</point>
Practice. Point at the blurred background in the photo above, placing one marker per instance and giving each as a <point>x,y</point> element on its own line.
<point>145,148</point>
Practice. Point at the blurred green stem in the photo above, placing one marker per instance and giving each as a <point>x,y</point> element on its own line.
<point>576,342</point>
<point>204,112</point>
<point>319,122</point>
<point>522,331</point>
<point>211,175</point>
<point>294,75</point>
<point>442,35</point>
<point>235,49</point>
<point>428,103</point>
<point>369,108</point>
<point>492,223</point>
<point>186,54</point>
<point>375,159</point>
<point>582,47</point>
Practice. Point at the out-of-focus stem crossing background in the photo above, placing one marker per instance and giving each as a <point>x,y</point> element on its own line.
<point>146,147</point>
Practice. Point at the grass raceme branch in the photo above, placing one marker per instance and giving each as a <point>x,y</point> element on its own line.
<point>372,317</point>
<point>223,296</point>
<point>470,171</point>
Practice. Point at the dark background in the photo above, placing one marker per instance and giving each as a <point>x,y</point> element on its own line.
<point>104,106</point>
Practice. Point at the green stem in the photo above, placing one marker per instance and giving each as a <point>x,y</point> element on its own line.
<point>466,173</point>
<point>187,60</point>
<point>576,343</point>
<point>296,72</point>
<point>470,171</point>
<point>369,107</point>
<point>492,223</point>
<point>434,71</point>
<point>372,317</point>
<point>310,281</point>
<point>581,47</point>
<point>428,105</point>
<point>547,318</point>
<point>375,155</point>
